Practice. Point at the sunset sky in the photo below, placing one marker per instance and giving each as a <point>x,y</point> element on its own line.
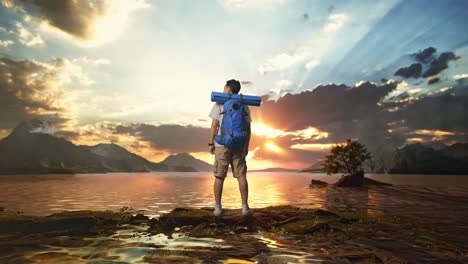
<point>139,73</point>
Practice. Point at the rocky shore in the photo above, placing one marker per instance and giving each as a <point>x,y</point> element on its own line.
<point>275,234</point>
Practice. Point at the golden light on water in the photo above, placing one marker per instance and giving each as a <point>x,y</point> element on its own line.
<point>262,190</point>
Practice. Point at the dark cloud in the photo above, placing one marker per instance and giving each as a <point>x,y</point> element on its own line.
<point>439,64</point>
<point>445,112</point>
<point>76,18</point>
<point>25,93</point>
<point>358,113</point>
<point>177,139</point>
<point>172,138</point>
<point>325,104</point>
<point>425,54</point>
<point>414,70</point>
<point>342,111</point>
<point>433,80</point>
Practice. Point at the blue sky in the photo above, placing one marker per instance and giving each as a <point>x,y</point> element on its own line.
<point>161,63</point>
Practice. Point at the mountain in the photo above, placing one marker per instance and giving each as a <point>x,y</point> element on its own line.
<point>419,158</point>
<point>32,149</point>
<point>316,167</point>
<point>275,170</point>
<point>186,162</point>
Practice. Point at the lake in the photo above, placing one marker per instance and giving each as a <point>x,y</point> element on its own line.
<point>157,193</point>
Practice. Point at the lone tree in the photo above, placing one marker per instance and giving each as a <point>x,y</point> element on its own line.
<point>347,158</point>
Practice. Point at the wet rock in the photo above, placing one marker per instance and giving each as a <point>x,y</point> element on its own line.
<point>139,218</point>
<point>138,244</point>
<point>53,257</point>
<point>66,241</point>
<point>317,183</point>
<point>353,180</point>
<point>73,223</point>
<point>161,259</point>
<point>203,224</point>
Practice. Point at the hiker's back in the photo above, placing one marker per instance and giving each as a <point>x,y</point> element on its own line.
<point>233,130</point>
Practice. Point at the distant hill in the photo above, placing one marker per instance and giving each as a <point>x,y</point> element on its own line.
<point>30,150</point>
<point>419,158</point>
<point>415,158</point>
<point>186,162</point>
<point>275,170</point>
<point>316,167</point>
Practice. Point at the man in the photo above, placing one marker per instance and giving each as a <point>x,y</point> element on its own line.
<point>225,156</point>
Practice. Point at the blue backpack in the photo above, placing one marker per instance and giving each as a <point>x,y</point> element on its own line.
<point>233,128</point>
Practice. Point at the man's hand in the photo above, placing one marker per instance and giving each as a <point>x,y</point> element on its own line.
<point>245,151</point>
<point>212,149</point>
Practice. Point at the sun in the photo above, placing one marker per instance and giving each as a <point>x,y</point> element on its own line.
<point>273,147</point>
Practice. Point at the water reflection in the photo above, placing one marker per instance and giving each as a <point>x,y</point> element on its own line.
<point>157,193</point>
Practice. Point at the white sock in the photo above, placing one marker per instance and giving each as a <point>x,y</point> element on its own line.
<point>218,206</point>
<point>245,206</point>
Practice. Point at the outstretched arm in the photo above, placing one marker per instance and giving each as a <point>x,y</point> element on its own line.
<point>213,132</point>
<point>247,142</point>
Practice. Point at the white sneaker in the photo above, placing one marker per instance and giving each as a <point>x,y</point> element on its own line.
<point>217,211</point>
<point>246,211</point>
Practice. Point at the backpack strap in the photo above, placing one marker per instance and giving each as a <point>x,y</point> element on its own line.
<point>220,110</point>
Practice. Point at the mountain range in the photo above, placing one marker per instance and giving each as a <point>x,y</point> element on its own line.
<point>28,149</point>
<point>424,159</point>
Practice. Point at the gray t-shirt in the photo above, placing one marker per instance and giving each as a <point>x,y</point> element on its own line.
<point>216,114</point>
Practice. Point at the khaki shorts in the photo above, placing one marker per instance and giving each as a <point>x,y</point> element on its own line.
<point>225,156</point>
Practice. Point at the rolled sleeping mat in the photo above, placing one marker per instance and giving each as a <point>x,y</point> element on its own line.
<point>247,99</point>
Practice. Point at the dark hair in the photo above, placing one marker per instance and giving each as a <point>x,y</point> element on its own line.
<point>234,85</point>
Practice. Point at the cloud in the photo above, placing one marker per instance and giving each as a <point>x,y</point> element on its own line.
<point>306,124</point>
<point>425,55</point>
<point>283,61</point>
<point>309,51</point>
<point>460,76</point>
<point>445,112</point>
<point>312,64</point>
<point>335,22</point>
<point>250,4</point>
<point>303,126</point>
<point>6,43</point>
<point>172,138</point>
<point>93,22</point>
<point>37,89</point>
<point>28,91</point>
<point>439,64</point>
<point>325,104</point>
<point>26,37</point>
<point>414,70</point>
